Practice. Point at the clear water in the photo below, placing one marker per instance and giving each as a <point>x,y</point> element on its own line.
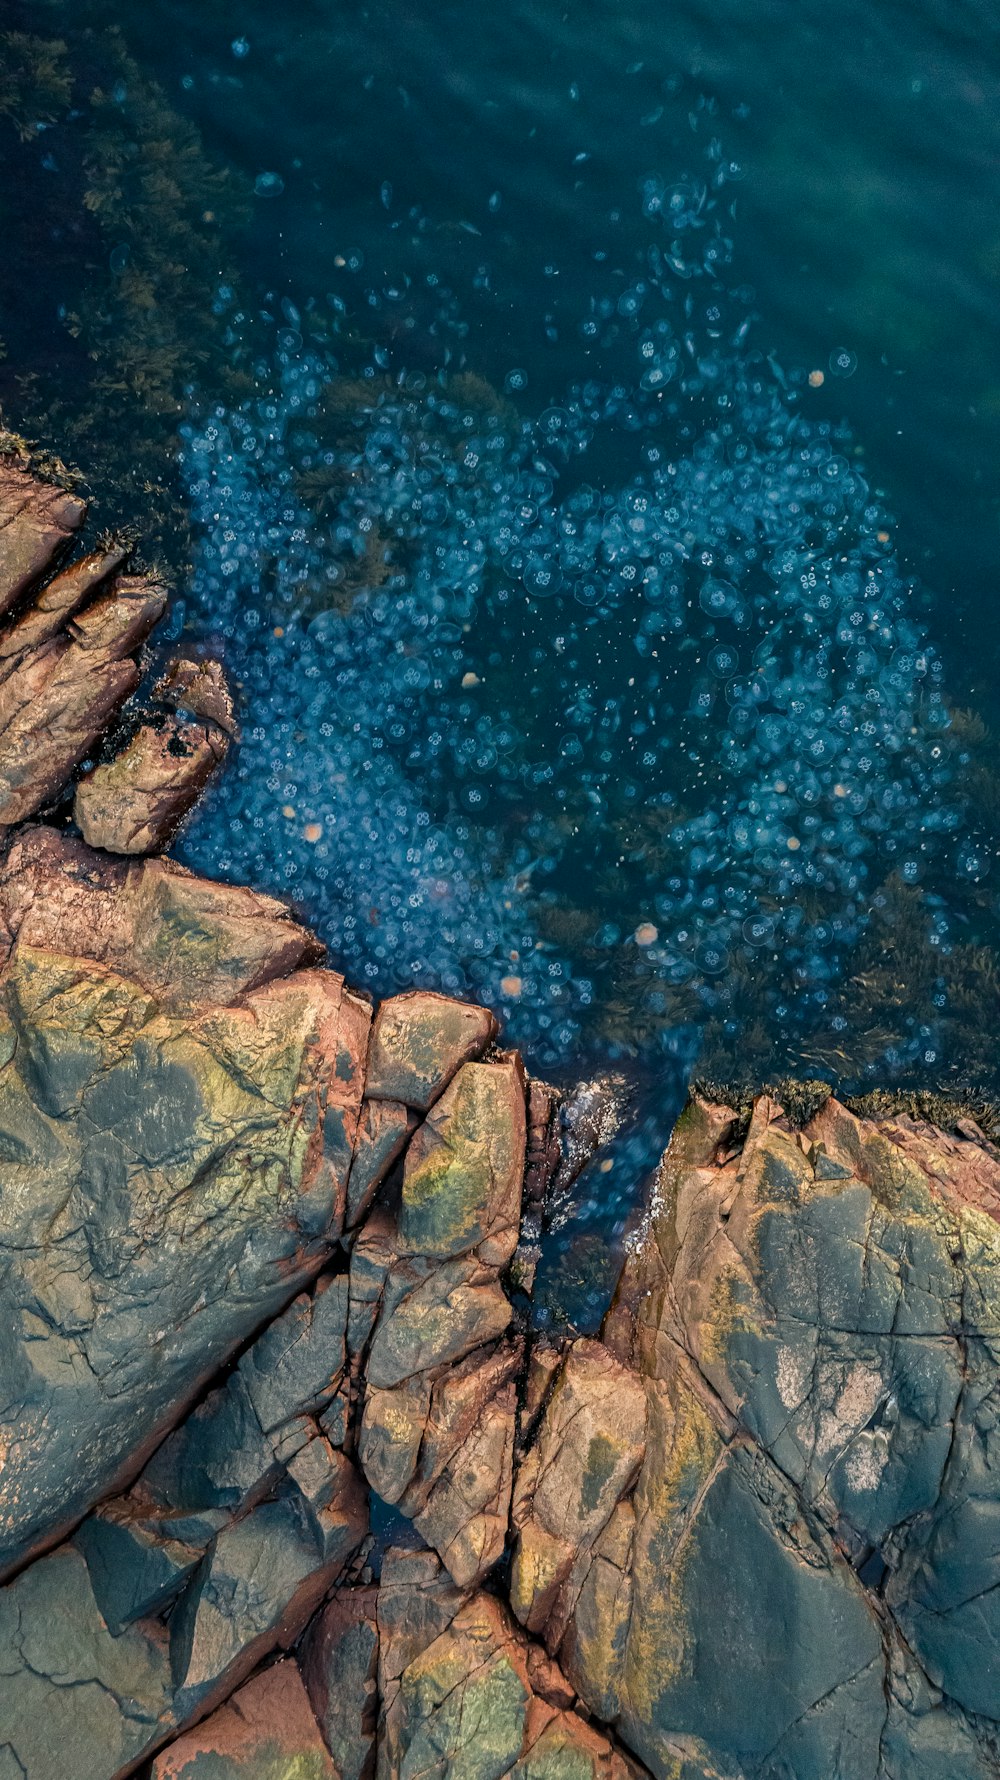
<point>585,455</point>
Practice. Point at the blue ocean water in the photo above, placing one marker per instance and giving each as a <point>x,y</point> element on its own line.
<point>592,491</point>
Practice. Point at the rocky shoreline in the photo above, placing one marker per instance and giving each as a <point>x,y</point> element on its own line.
<point>290,1488</point>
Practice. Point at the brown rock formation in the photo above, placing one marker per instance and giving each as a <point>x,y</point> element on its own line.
<point>266,1729</point>
<point>37,521</point>
<point>136,802</point>
<point>62,693</point>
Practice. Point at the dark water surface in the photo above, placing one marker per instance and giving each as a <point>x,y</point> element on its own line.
<point>578,428</point>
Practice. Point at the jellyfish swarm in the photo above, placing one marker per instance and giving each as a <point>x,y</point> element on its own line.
<point>648,653</point>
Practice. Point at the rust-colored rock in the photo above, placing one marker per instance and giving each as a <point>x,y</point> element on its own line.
<point>37,521</point>
<point>135,803</point>
<point>419,1041</point>
<point>385,1129</point>
<point>55,603</point>
<point>464,1693</point>
<point>177,1125</point>
<point>64,691</point>
<point>187,940</point>
<point>464,1168</point>
<point>428,1311</point>
<point>339,1662</point>
<point>266,1730</point>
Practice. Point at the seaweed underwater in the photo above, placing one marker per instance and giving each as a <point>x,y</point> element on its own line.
<point>111,200</point>
<point>622,716</point>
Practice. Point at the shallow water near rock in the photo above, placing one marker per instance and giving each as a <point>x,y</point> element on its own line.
<point>588,470</point>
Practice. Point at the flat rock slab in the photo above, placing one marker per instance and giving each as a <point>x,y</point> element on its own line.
<point>267,1731</point>
<point>189,941</point>
<point>419,1041</point>
<point>464,1168</point>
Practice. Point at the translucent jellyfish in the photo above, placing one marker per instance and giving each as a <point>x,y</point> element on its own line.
<point>520,674</point>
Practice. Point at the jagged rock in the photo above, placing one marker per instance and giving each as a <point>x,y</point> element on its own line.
<point>63,693</point>
<point>37,521</point>
<point>134,803</point>
<point>464,1695</point>
<point>138,1564</point>
<point>689,1563</point>
<point>464,1168</point>
<point>384,1131</point>
<point>228,1541</point>
<point>261,1582</point>
<point>295,1366</point>
<point>201,688</point>
<point>440,1404</point>
<point>435,1321</point>
<point>171,1178</point>
<point>339,1662</point>
<point>458,1495</point>
<point>545,1360</point>
<point>585,1460</point>
<point>55,603</point>
<point>72,1697</point>
<point>428,1318</point>
<point>419,1041</point>
<point>267,1731</point>
<point>189,942</point>
<point>544,1150</point>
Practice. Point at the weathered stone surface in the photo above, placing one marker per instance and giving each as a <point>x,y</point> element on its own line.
<point>439,1413</point>
<point>190,942</point>
<point>544,1150</point>
<point>295,1366</point>
<point>137,1563</point>
<point>57,703</point>
<point>259,1585</point>
<point>201,688</point>
<point>232,1535</point>
<point>464,1696</point>
<point>339,1662</point>
<point>657,1556</point>
<point>584,1461</point>
<point>37,521</point>
<point>267,1731</point>
<point>169,1180</point>
<point>464,1168</point>
<point>74,1699</point>
<point>459,1491</point>
<point>798,1313</point>
<point>135,803</point>
<point>384,1131</point>
<point>57,601</point>
<point>448,1311</point>
<point>419,1041</point>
